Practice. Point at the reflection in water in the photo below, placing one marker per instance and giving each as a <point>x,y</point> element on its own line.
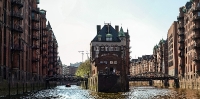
<point>75,92</point>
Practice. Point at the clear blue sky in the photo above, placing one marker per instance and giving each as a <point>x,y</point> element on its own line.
<point>74,22</point>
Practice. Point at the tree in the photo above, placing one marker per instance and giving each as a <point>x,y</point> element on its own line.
<point>84,69</point>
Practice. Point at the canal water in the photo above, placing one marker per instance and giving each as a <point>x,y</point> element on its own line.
<point>76,92</point>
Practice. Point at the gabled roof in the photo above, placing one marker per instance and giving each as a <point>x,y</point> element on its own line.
<point>104,31</point>
<point>49,25</point>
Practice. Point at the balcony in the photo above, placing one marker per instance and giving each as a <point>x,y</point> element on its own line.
<point>36,47</point>
<point>35,19</point>
<point>195,28</point>
<point>44,56</point>
<point>17,15</point>
<point>18,3</point>
<point>16,47</point>
<point>45,35</point>
<point>181,48</point>
<point>196,59</point>
<point>35,37</point>
<point>195,37</point>
<point>180,17</point>
<point>45,28</point>
<point>35,59</point>
<point>181,54</point>
<point>36,28</point>
<point>196,18</point>
<point>180,26</point>
<point>181,41</point>
<point>182,66</point>
<point>196,9</point>
<point>44,42</point>
<point>196,46</point>
<point>181,34</point>
<point>17,28</point>
<point>36,10</point>
<point>44,65</point>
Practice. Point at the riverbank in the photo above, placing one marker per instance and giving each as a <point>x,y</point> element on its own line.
<point>17,88</point>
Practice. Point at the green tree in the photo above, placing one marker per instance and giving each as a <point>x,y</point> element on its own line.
<point>84,69</point>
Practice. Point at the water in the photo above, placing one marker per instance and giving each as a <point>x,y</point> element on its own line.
<point>75,92</point>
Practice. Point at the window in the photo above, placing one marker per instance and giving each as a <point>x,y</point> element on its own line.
<point>111,62</point>
<point>105,62</point>
<point>102,48</point>
<point>115,62</point>
<point>106,48</point>
<point>110,48</point>
<point>198,13</point>
<point>101,62</point>
<point>99,38</point>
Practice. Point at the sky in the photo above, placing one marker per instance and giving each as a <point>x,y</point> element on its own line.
<point>74,23</point>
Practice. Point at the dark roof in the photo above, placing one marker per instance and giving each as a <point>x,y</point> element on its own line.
<point>188,5</point>
<point>134,60</point>
<point>49,25</point>
<point>105,31</point>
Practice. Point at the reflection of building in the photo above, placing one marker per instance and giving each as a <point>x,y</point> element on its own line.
<point>110,56</point>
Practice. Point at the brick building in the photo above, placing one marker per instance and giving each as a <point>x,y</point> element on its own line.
<point>173,49</point>
<point>188,27</point>
<point>110,55</point>
<point>28,47</point>
<point>158,62</point>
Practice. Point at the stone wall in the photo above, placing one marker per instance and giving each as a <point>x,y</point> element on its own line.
<point>190,83</point>
<point>22,87</point>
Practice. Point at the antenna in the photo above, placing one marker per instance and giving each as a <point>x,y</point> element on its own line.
<point>82,52</point>
<point>87,54</point>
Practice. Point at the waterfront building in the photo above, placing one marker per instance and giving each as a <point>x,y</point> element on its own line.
<point>25,58</point>
<point>188,25</point>
<point>110,55</point>
<point>141,65</point>
<point>71,70</point>
<point>172,37</point>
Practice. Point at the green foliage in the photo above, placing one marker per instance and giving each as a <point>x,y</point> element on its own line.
<point>84,69</point>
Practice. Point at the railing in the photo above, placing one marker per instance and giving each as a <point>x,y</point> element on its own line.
<point>35,37</point>
<point>36,10</point>
<point>17,2</point>
<point>35,59</point>
<point>196,36</point>
<point>35,46</point>
<point>181,33</point>
<point>35,28</point>
<point>36,19</point>
<point>17,47</point>
<point>195,27</point>
<point>17,15</point>
<point>17,28</point>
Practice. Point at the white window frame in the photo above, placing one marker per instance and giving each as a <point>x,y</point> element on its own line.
<point>115,62</point>
<point>111,62</point>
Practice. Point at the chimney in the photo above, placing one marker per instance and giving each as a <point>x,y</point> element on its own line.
<point>98,28</point>
<point>117,28</point>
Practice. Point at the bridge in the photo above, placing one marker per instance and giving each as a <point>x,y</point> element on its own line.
<point>72,78</point>
<point>151,76</point>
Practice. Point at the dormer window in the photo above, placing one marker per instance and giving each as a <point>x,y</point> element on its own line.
<point>108,37</point>
<point>99,37</point>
